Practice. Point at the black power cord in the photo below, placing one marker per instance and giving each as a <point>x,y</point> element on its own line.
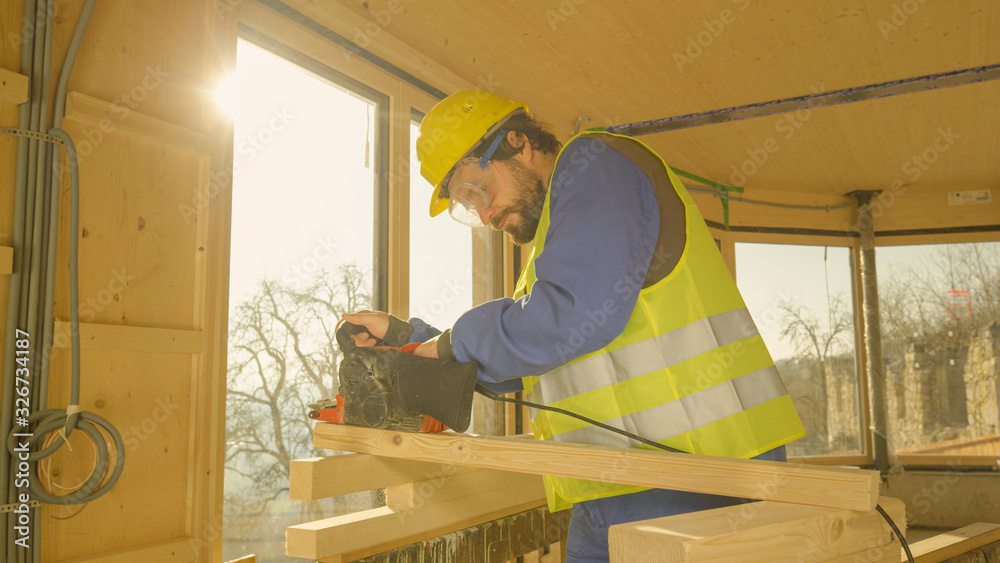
<point>482,390</point>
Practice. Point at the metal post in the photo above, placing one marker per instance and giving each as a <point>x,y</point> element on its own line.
<point>872,329</point>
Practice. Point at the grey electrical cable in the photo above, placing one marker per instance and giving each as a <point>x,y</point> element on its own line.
<point>718,194</point>
<point>52,419</point>
<point>36,285</point>
<point>40,206</point>
<point>15,290</point>
<point>88,422</point>
<point>53,189</point>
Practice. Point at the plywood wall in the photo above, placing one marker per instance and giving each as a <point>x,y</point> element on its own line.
<point>154,215</point>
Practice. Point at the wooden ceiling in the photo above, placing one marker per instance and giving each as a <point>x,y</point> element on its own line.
<point>622,61</point>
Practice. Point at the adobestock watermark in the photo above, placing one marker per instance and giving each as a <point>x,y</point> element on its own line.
<point>900,16</point>
<point>912,170</point>
<point>305,271</point>
<point>579,338</point>
<point>451,291</point>
<point>249,148</point>
<point>135,435</point>
<point>928,496</point>
<point>32,26</point>
<point>121,108</point>
<point>90,308</point>
<point>696,44</point>
<point>381,19</point>
<point>786,126</point>
<point>765,490</point>
<point>424,490</point>
<point>565,11</point>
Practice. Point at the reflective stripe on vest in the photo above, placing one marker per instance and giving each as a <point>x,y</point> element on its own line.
<point>665,350</point>
<point>687,413</point>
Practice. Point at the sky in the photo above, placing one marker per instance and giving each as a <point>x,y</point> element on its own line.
<point>303,190</point>
<point>768,274</point>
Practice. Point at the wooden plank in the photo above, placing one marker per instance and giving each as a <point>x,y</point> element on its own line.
<point>412,496</point>
<point>353,532</point>
<point>785,532</point>
<point>245,559</point>
<point>508,537</point>
<point>13,87</point>
<point>888,553</point>
<point>6,260</point>
<point>94,336</point>
<point>178,550</point>
<point>835,487</point>
<point>956,542</point>
<point>323,477</point>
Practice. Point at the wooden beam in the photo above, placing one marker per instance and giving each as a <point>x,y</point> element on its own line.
<point>509,494</point>
<point>956,542</point>
<point>123,338</point>
<point>112,118</point>
<point>324,477</point>
<point>13,87</point>
<point>510,536</point>
<point>6,260</point>
<point>762,531</point>
<point>411,496</point>
<point>835,487</point>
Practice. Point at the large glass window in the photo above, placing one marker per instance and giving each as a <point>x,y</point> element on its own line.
<point>801,300</point>
<point>302,253</point>
<point>940,315</point>
<point>440,255</point>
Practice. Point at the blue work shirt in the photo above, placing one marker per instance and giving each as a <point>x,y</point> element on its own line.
<point>601,236</point>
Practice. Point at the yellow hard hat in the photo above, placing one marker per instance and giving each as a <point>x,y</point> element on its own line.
<point>452,129</point>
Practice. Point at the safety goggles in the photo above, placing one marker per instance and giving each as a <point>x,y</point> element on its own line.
<point>468,184</point>
<point>467,189</point>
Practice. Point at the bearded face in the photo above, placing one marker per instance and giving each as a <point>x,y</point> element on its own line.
<point>520,219</point>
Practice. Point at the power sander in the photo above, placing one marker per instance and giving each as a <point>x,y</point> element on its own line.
<point>386,386</point>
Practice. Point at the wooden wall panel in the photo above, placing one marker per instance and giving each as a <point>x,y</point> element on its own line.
<point>139,241</point>
<point>147,398</point>
<point>154,254</point>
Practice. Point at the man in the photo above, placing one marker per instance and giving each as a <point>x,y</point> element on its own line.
<point>625,312</point>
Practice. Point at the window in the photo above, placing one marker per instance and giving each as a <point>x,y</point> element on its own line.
<point>940,316</point>
<point>303,241</point>
<point>802,302</point>
<point>440,255</point>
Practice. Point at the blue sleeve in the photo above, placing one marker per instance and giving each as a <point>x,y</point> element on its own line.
<point>422,332</point>
<point>600,241</point>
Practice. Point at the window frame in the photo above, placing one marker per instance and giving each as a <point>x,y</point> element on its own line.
<point>728,241</point>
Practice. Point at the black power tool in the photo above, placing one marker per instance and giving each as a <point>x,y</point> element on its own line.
<point>385,386</point>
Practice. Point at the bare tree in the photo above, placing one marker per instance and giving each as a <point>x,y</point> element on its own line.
<point>283,354</point>
<point>914,298</point>
<point>816,341</point>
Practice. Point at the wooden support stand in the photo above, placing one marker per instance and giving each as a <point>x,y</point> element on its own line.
<point>763,531</point>
<point>833,487</point>
<point>424,500</point>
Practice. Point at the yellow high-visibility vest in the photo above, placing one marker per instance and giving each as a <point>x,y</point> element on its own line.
<point>689,371</point>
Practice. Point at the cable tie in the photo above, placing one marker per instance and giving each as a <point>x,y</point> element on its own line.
<point>70,411</point>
